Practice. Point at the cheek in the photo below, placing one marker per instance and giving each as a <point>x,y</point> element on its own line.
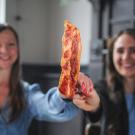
<point>14,53</point>
<point>116,60</point>
<point>115,57</point>
<point>133,56</point>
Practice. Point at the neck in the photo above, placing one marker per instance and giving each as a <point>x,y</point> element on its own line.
<point>129,85</point>
<point>4,86</point>
<point>4,80</point>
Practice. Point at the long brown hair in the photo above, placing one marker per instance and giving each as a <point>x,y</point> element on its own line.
<point>16,95</point>
<point>114,77</point>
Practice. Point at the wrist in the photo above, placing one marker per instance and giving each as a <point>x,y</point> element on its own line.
<point>98,108</point>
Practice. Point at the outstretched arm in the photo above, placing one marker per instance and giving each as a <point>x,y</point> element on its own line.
<point>49,106</point>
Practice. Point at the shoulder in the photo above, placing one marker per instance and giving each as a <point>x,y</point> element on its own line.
<point>101,84</point>
<point>30,88</point>
<point>102,88</point>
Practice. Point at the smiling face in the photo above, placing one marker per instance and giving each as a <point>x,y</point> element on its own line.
<point>124,56</point>
<point>8,49</point>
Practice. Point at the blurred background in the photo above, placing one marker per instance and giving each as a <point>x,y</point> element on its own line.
<point>40,25</point>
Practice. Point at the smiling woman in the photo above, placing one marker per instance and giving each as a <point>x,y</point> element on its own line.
<point>20,102</point>
<point>116,111</point>
<point>124,56</point>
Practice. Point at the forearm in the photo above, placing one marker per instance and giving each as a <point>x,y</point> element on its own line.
<point>51,106</point>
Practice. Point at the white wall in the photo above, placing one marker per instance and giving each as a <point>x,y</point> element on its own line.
<point>41,27</point>
<point>32,28</point>
<point>2,11</point>
<point>78,12</point>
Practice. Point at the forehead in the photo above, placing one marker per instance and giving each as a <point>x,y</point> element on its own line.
<point>125,40</point>
<point>7,35</point>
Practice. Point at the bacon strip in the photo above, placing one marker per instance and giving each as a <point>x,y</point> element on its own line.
<point>70,59</point>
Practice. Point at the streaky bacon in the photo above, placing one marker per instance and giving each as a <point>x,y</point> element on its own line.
<point>70,60</point>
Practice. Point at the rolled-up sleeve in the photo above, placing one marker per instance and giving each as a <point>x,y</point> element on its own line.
<point>49,106</point>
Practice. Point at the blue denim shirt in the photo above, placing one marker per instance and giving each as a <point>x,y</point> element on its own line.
<point>131,113</point>
<point>47,107</point>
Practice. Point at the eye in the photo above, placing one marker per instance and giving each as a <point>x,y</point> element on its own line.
<point>132,50</point>
<point>12,45</point>
<point>120,50</point>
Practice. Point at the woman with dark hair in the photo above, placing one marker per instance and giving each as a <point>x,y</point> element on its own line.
<point>20,102</point>
<point>114,108</point>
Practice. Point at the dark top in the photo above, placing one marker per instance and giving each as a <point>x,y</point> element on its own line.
<point>112,114</point>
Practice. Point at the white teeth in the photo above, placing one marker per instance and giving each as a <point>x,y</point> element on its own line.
<point>4,58</point>
<point>127,65</point>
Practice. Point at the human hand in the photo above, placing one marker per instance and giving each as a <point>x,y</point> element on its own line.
<point>89,102</point>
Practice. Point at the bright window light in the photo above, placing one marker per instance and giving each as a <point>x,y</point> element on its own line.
<point>2,11</point>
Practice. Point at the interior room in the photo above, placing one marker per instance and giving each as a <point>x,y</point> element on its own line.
<point>40,25</point>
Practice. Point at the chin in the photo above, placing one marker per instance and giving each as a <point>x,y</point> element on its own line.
<point>129,75</point>
<point>6,66</point>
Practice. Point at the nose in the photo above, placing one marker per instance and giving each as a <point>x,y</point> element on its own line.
<point>3,49</point>
<point>126,56</point>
